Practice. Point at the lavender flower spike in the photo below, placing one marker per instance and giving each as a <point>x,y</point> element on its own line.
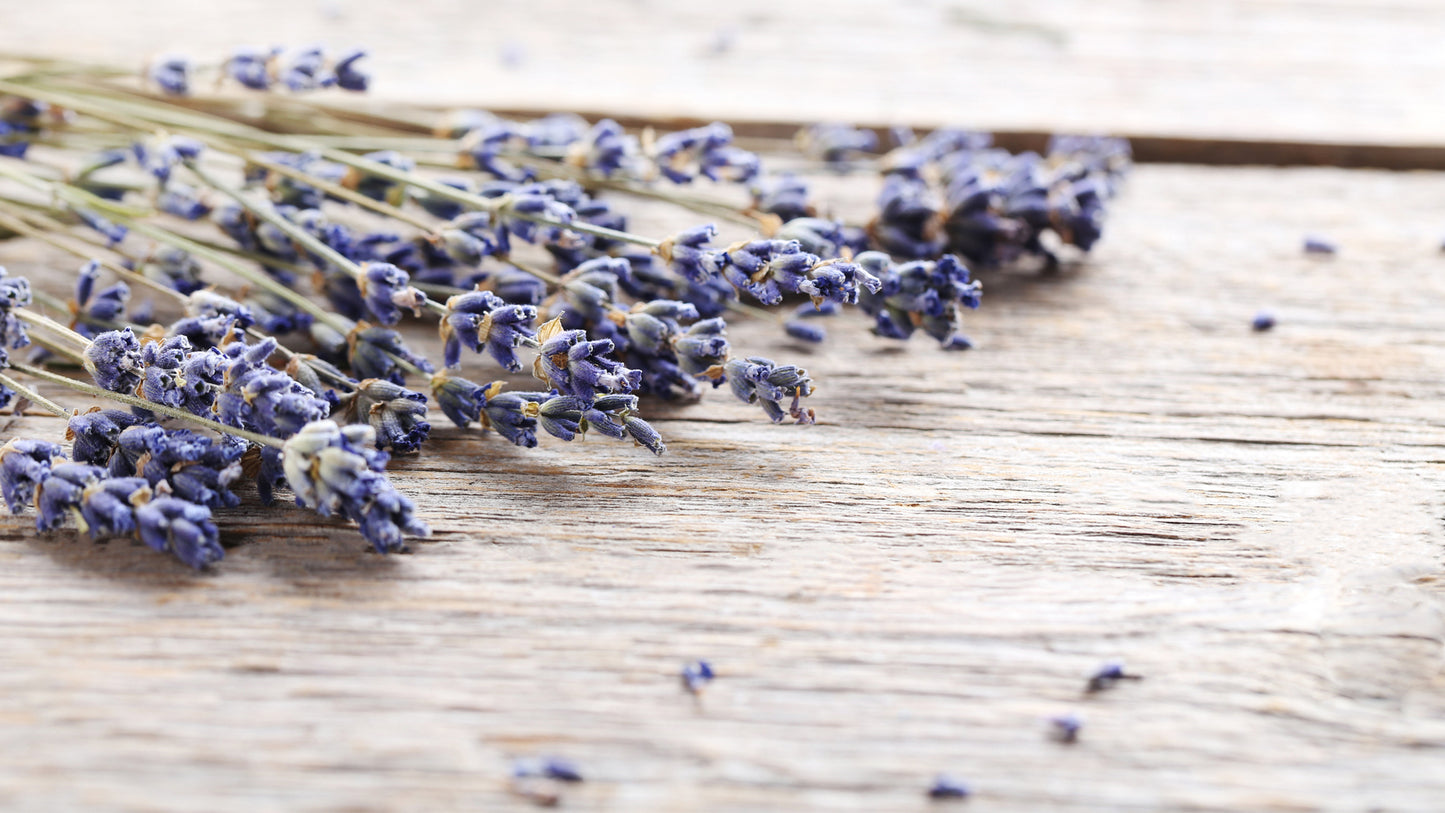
<point>385,289</point>
<point>580,367</point>
<point>114,360</point>
<point>181,527</point>
<point>759,381</point>
<point>335,470</point>
<point>24,464</point>
<point>482,319</point>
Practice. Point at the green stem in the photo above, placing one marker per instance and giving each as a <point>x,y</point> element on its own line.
<point>296,233</point>
<point>131,400</point>
<point>34,397</point>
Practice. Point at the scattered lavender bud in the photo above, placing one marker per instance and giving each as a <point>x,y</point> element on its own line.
<point>1108,675</point>
<point>1065,727</point>
<point>1315,244</point>
<point>946,787</point>
<point>696,675</point>
<point>1264,320</point>
<point>550,767</point>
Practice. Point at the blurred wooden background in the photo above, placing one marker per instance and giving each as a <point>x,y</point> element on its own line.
<point>1120,469</point>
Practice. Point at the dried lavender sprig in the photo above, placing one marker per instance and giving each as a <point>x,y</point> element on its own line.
<point>131,400</point>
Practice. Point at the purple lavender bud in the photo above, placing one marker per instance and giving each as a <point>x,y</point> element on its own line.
<point>397,415</point>
<point>113,234</point>
<point>106,306</point>
<point>14,293</point>
<point>804,331</point>
<point>113,359</point>
<point>607,149</point>
<point>703,347</point>
<point>12,144</point>
<point>172,74</point>
<point>946,787</point>
<point>1108,675</point>
<point>181,527</point>
<point>307,71</point>
<point>1314,244</point>
<point>378,188</point>
<point>642,432</point>
<point>1264,320</point>
<point>349,76</point>
<point>561,416</point>
<point>707,151</point>
<point>58,496</point>
<point>512,414</point>
<point>196,468</point>
<point>386,291</point>
<point>783,195</point>
<point>335,471</point>
<point>252,67</point>
<point>460,400</point>
<point>580,367</point>
<point>24,464</point>
<point>836,143</point>
<point>696,675</point>
<point>107,506</point>
<point>481,319</point>
<point>259,398</point>
<point>373,353</point>
<point>182,200</point>
<point>685,253</point>
<point>1065,727</point>
<point>94,434</point>
<point>550,767</point>
<point>759,381</point>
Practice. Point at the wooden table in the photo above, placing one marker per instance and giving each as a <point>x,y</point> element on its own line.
<point>1122,468</point>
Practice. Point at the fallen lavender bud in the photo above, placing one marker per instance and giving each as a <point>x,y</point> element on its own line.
<point>1263,321</point>
<point>946,787</point>
<point>696,675</point>
<point>1315,244</point>
<point>1065,727</point>
<point>1108,675</point>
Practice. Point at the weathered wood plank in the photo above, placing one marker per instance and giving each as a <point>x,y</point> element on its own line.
<point>1121,469</point>
<point>1341,71</point>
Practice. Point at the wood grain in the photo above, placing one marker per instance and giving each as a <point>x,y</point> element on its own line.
<point>1121,469</point>
<point>1346,71</point>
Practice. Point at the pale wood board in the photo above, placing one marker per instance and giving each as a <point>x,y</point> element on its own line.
<point>1323,70</point>
<point>1121,468</point>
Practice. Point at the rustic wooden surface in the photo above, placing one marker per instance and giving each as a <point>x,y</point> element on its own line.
<point>1121,469</point>
<point>1336,70</point>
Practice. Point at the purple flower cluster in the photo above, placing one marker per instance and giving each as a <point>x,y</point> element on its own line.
<point>994,207</point>
<point>920,294</point>
<point>760,381</point>
<point>308,68</point>
<point>104,505</point>
<point>338,471</point>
